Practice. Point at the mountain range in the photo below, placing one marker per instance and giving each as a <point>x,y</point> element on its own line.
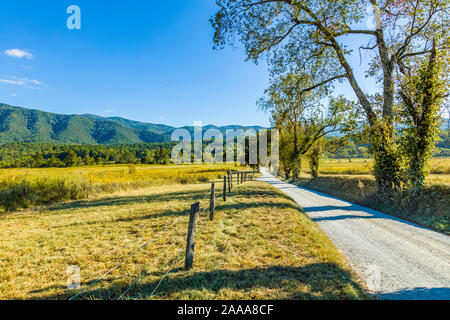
<point>26,125</point>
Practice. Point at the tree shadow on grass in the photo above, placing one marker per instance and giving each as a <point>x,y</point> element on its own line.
<point>192,196</point>
<point>226,207</point>
<point>314,281</point>
<point>125,201</point>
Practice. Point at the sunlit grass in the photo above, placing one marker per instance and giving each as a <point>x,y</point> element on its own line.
<point>365,166</point>
<point>21,188</point>
<point>122,174</point>
<point>259,246</point>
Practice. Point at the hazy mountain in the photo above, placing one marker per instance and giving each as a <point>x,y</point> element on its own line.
<point>27,125</point>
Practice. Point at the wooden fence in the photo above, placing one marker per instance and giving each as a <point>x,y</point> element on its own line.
<point>229,180</point>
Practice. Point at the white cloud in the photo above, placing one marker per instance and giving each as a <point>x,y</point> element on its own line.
<point>13,95</point>
<point>109,111</point>
<point>36,82</point>
<point>18,53</point>
<point>21,81</point>
<point>18,82</point>
<point>162,118</point>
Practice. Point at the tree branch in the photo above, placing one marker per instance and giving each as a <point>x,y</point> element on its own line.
<point>323,83</point>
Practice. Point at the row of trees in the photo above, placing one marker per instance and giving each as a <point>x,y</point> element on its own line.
<point>303,43</point>
<point>47,155</point>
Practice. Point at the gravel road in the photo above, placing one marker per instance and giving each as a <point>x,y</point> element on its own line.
<point>396,258</point>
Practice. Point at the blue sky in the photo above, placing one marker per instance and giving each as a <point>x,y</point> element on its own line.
<point>150,61</point>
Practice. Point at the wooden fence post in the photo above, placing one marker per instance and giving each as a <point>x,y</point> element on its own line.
<point>189,261</point>
<point>242,178</point>
<point>224,188</point>
<point>212,202</point>
<point>230,181</point>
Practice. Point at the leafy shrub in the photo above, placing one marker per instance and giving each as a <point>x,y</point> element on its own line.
<point>131,169</point>
<point>203,179</point>
<point>22,193</point>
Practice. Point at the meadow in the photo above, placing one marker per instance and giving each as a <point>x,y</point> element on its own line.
<point>259,246</point>
<point>440,168</point>
<point>24,187</point>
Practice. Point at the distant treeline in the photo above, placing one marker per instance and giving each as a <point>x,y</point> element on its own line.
<point>41,155</point>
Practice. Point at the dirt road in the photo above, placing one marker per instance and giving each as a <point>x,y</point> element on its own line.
<point>397,259</point>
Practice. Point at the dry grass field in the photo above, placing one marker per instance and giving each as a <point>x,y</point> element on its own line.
<point>22,188</point>
<point>439,170</point>
<point>259,246</point>
<point>123,174</point>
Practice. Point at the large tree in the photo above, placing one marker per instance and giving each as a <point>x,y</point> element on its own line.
<point>423,87</point>
<point>302,119</point>
<point>307,36</point>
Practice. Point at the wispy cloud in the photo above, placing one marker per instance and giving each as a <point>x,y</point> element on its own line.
<point>18,53</point>
<point>21,82</point>
<point>18,82</point>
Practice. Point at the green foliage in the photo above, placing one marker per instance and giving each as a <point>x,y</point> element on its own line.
<point>388,158</point>
<point>131,169</point>
<point>23,193</point>
<point>33,126</point>
<point>25,125</point>
<point>39,155</point>
<point>304,122</point>
<point>305,37</point>
<point>422,95</point>
<point>314,159</point>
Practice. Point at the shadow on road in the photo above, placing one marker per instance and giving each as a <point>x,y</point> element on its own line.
<point>418,294</point>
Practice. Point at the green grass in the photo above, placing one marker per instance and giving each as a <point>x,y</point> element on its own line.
<point>259,246</point>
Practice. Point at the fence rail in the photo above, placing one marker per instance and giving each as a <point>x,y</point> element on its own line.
<point>194,213</point>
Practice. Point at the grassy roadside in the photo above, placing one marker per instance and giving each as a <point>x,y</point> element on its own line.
<point>431,208</point>
<point>260,246</point>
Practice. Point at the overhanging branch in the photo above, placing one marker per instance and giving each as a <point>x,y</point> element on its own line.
<point>323,83</point>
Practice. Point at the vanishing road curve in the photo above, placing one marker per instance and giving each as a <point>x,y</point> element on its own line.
<point>396,258</point>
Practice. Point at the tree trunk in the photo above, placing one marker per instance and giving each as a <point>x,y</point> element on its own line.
<point>387,167</point>
<point>297,167</point>
<point>425,117</point>
<point>314,158</point>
